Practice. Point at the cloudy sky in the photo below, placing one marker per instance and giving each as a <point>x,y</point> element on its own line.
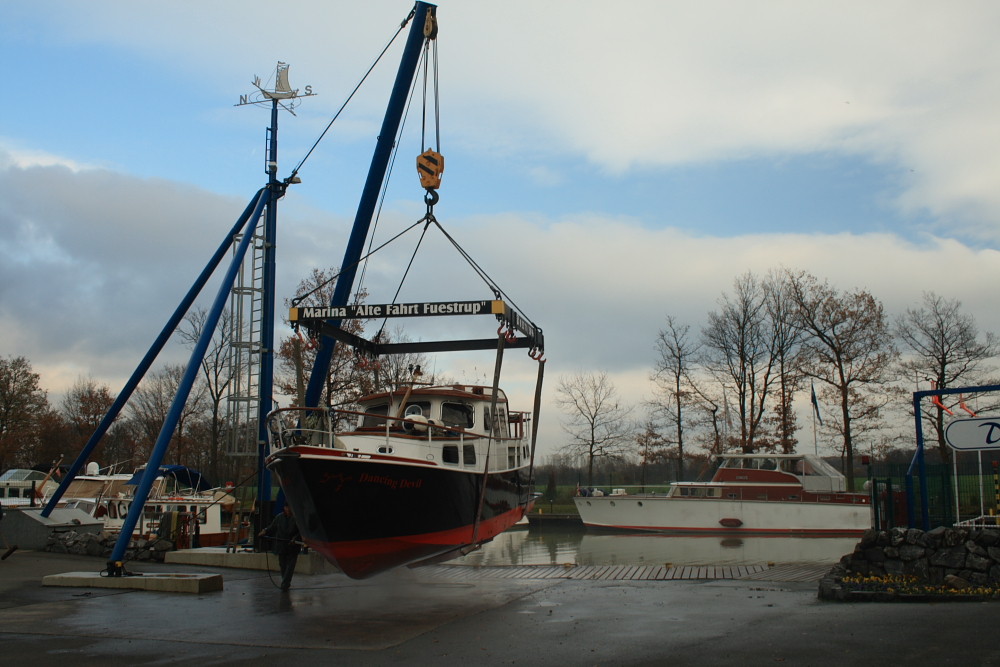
<point>607,164</point>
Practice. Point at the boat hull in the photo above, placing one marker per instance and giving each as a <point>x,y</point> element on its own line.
<point>368,514</point>
<point>724,516</point>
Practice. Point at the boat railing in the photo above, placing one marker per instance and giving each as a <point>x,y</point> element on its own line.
<point>320,427</point>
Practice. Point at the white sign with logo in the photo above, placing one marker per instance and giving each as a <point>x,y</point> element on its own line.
<point>973,434</point>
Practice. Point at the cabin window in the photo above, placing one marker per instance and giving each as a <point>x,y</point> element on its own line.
<point>449,453</point>
<point>385,450</point>
<point>803,467</point>
<point>502,428</point>
<point>469,455</point>
<point>417,408</point>
<point>457,414</point>
<point>373,414</point>
<point>13,492</point>
<point>512,457</point>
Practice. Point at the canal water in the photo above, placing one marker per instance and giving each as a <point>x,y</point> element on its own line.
<point>559,546</point>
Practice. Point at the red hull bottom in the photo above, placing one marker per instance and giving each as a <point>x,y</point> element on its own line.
<point>360,559</point>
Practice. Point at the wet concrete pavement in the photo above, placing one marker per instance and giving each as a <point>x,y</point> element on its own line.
<point>417,617</point>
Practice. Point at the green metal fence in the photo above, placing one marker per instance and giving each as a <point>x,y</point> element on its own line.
<point>975,483</point>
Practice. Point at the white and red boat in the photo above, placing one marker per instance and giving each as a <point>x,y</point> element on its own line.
<point>416,473</point>
<point>776,494</point>
<point>201,514</point>
<point>421,473</point>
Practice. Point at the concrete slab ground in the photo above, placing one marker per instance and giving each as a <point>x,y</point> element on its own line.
<point>164,582</point>
<point>418,617</point>
<point>307,563</point>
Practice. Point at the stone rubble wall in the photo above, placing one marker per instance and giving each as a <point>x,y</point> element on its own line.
<point>101,544</point>
<point>952,557</point>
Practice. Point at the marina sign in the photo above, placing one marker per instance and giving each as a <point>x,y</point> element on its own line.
<point>324,320</point>
<point>361,311</point>
<point>973,434</point>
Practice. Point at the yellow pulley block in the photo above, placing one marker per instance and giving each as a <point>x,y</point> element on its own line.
<point>430,167</point>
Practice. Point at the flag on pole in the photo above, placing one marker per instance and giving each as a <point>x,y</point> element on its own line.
<point>816,404</point>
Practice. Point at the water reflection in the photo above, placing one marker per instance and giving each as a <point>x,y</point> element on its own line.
<point>553,546</point>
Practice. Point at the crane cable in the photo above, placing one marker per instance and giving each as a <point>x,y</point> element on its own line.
<point>402,25</point>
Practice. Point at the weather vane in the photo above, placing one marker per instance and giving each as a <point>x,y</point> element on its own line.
<point>282,94</point>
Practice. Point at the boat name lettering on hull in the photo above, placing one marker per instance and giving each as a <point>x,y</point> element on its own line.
<point>390,482</point>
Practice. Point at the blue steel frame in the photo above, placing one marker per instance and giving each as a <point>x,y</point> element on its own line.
<point>248,222</point>
<point>149,475</point>
<point>151,355</point>
<point>369,196</point>
<point>918,457</point>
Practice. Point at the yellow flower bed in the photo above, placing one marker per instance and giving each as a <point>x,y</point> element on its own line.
<point>907,584</point>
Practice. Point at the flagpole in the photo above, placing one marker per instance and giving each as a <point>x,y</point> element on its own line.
<point>815,415</point>
<point>815,441</point>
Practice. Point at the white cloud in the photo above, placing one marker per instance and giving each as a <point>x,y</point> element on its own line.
<point>644,84</point>
<point>94,259</point>
<point>11,156</point>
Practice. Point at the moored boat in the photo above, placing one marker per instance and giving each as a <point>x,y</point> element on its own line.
<point>198,515</point>
<point>24,486</point>
<point>793,494</point>
<point>423,472</point>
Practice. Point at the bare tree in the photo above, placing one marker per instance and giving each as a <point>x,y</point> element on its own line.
<point>947,349</point>
<point>217,375</point>
<point>597,423</point>
<point>84,407</point>
<point>741,353</point>
<point>297,353</point>
<point>672,379</point>
<point>786,339</point>
<point>847,347</point>
<point>653,449</point>
<point>21,402</point>
<point>151,403</point>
